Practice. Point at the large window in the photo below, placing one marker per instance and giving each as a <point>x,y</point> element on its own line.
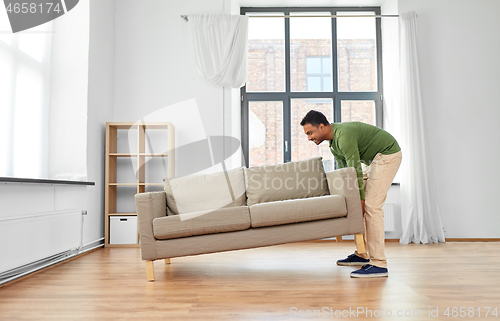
<point>296,64</point>
<point>24,82</point>
<point>44,98</point>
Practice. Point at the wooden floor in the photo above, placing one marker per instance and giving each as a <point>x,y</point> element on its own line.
<point>273,283</point>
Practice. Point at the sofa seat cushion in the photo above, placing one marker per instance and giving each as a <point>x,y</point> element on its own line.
<point>287,181</point>
<point>200,223</point>
<point>205,192</point>
<point>298,210</point>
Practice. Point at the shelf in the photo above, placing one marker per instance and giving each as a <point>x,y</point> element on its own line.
<point>134,140</point>
<point>149,125</point>
<point>153,154</point>
<point>138,154</point>
<point>135,184</point>
<point>122,184</point>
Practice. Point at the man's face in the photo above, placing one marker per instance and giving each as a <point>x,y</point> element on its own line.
<point>315,133</point>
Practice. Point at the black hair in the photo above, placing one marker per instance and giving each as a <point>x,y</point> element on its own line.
<point>314,118</point>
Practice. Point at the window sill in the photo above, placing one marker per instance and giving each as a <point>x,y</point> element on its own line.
<point>43,181</point>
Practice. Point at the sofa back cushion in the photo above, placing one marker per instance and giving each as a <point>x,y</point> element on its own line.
<point>286,181</point>
<point>195,193</point>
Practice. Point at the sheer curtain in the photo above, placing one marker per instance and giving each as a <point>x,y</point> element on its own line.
<point>419,208</point>
<point>220,44</point>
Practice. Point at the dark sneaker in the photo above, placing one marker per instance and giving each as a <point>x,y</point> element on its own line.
<point>353,259</point>
<point>370,271</point>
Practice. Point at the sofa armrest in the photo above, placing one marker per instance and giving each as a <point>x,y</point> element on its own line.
<point>149,206</point>
<point>345,182</point>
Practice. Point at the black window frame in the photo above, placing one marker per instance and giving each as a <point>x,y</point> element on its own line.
<point>286,96</point>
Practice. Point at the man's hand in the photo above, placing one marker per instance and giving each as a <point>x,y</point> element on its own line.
<point>363,206</point>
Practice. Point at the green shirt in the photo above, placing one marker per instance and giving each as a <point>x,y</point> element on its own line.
<point>354,143</point>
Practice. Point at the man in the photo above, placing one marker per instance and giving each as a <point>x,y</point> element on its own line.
<point>353,143</point>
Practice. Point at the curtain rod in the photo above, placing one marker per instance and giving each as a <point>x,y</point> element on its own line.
<point>185,17</point>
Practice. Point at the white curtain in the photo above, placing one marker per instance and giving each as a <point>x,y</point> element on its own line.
<point>220,44</point>
<point>419,208</point>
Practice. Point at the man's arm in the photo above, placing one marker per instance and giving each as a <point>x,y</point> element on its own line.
<point>349,147</point>
<point>341,162</point>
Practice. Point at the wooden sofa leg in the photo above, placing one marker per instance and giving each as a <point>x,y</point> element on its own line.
<point>360,243</point>
<point>339,238</point>
<point>150,271</point>
<point>167,261</point>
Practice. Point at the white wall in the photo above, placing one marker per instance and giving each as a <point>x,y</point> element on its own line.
<point>69,95</point>
<point>100,110</point>
<point>390,66</point>
<point>459,72</point>
<point>154,72</point>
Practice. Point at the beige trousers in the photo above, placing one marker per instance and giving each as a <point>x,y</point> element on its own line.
<point>380,175</point>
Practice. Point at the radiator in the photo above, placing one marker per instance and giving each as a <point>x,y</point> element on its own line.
<point>389,217</point>
<point>27,239</point>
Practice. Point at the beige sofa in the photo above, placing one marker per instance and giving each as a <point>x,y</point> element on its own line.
<point>247,208</point>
